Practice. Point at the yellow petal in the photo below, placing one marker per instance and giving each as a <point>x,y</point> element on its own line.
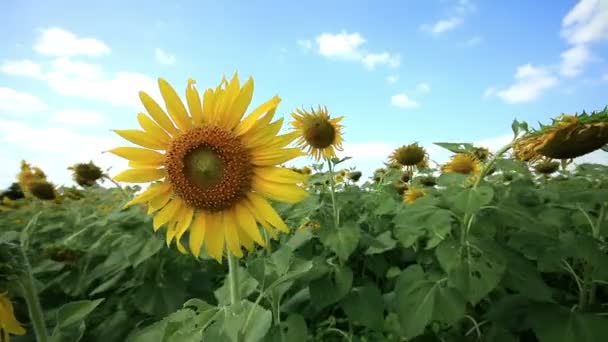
<point>141,138</point>
<point>248,225</point>
<point>251,119</point>
<point>279,174</point>
<point>167,213</point>
<point>194,103</point>
<point>275,157</point>
<point>232,235</point>
<point>197,233</point>
<point>183,219</point>
<point>140,175</point>
<point>153,129</point>
<point>181,248</point>
<point>174,105</point>
<point>138,154</point>
<point>279,191</point>
<point>240,104</point>
<point>262,133</point>
<point>159,201</point>
<point>214,237</point>
<point>208,106</point>
<point>245,240</point>
<point>225,102</point>
<point>144,165</point>
<point>261,208</point>
<point>153,191</point>
<point>157,113</point>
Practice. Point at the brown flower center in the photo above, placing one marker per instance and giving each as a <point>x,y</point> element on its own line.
<point>320,134</point>
<point>409,155</point>
<point>209,168</point>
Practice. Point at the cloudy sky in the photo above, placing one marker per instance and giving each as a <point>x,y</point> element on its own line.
<point>400,71</point>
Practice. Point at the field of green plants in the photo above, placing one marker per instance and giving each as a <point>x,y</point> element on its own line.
<point>510,250</point>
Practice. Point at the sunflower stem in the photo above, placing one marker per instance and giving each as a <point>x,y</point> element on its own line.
<point>33,301</point>
<point>233,275</point>
<point>117,185</point>
<point>332,186</point>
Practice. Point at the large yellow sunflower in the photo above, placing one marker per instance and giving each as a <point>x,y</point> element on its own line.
<point>319,134</point>
<point>462,163</point>
<point>217,168</point>
<point>8,322</point>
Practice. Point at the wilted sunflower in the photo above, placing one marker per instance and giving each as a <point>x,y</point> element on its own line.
<point>568,137</point>
<point>217,169</point>
<point>29,175</point>
<point>86,174</point>
<point>318,134</point>
<point>8,322</point>
<point>410,157</point>
<point>462,163</point>
<point>43,190</point>
<point>412,194</point>
<point>546,167</point>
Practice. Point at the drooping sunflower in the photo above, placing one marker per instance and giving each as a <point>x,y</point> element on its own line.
<point>319,135</point>
<point>462,163</point>
<point>29,175</point>
<point>568,137</point>
<point>217,169</point>
<point>86,174</point>
<point>546,167</point>
<point>410,157</point>
<point>8,322</point>
<point>412,194</point>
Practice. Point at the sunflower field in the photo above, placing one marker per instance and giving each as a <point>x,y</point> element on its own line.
<point>217,238</point>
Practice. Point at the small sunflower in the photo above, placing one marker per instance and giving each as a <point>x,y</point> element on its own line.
<point>481,153</point>
<point>412,194</point>
<point>546,167</point>
<point>319,134</point>
<point>354,176</point>
<point>339,179</point>
<point>410,157</point>
<point>462,163</point>
<point>568,137</point>
<point>43,190</point>
<point>218,169</point>
<point>343,173</point>
<point>8,322</point>
<point>306,171</point>
<point>28,175</point>
<point>86,174</point>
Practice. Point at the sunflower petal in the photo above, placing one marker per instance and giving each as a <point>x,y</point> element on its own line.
<point>197,234</point>
<point>167,213</point>
<point>247,224</point>
<point>194,103</point>
<point>174,105</point>
<point>264,209</point>
<point>214,237</point>
<point>159,201</point>
<point>140,175</point>
<point>153,129</point>
<point>141,138</point>
<point>144,165</point>
<point>157,113</point>
<point>208,106</point>
<point>279,191</point>
<point>275,157</point>
<point>263,132</point>
<point>245,240</point>
<point>153,191</point>
<point>138,154</point>
<point>279,174</point>
<point>232,235</point>
<point>245,125</point>
<point>240,104</point>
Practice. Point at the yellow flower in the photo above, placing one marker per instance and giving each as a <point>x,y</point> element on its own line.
<point>218,169</point>
<point>412,194</point>
<point>462,163</point>
<point>8,321</point>
<point>29,175</point>
<point>339,179</point>
<point>410,157</point>
<point>320,135</point>
<point>343,173</point>
<point>569,136</point>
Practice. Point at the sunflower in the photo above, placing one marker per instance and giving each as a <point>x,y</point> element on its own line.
<point>319,134</point>
<point>8,322</point>
<point>86,174</point>
<point>462,163</point>
<point>410,157</point>
<point>412,194</point>
<point>29,175</point>
<point>546,167</point>
<point>217,170</point>
<point>43,190</point>
<point>568,137</point>
<point>354,176</point>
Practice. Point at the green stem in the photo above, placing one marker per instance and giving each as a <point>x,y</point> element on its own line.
<point>233,274</point>
<point>332,186</point>
<point>33,302</point>
<point>117,185</point>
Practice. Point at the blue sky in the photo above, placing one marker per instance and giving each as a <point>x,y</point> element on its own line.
<point>398,71</point>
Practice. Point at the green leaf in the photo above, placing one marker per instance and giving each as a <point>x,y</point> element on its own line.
<point>237,328</point>
<point>522,276</point>
<point>365,306</point>
<point>476,270</point>
<point>421,301</point>
<point>451,179</point>
<point>342,241</point>
<point>456,147</point>
<point>469,201</point>
<point>553,323</point>
<point>331,288</point>
<point>519,127</point>
<point>296,329</point>
<point>381,244</point>
<point>418,221</point>
<point>73,332</point>
<point>300,237</point>
<point>74,312</point>
<point>247,285</point>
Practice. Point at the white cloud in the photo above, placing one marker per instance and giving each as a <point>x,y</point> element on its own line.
<point>587,22</point>
<point>78,117</point>
<point>59,42</point>
<point>54,149</point>
<point>530,83</point>
<point>444,25</point>
<point>347,46</point>
<point>403,101</point>
<point>423,87</point>
<point>164,57</point>
<point>392,79</point>
<point>13,102</point>
<point>22,68</point>
<point>573,60</point>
